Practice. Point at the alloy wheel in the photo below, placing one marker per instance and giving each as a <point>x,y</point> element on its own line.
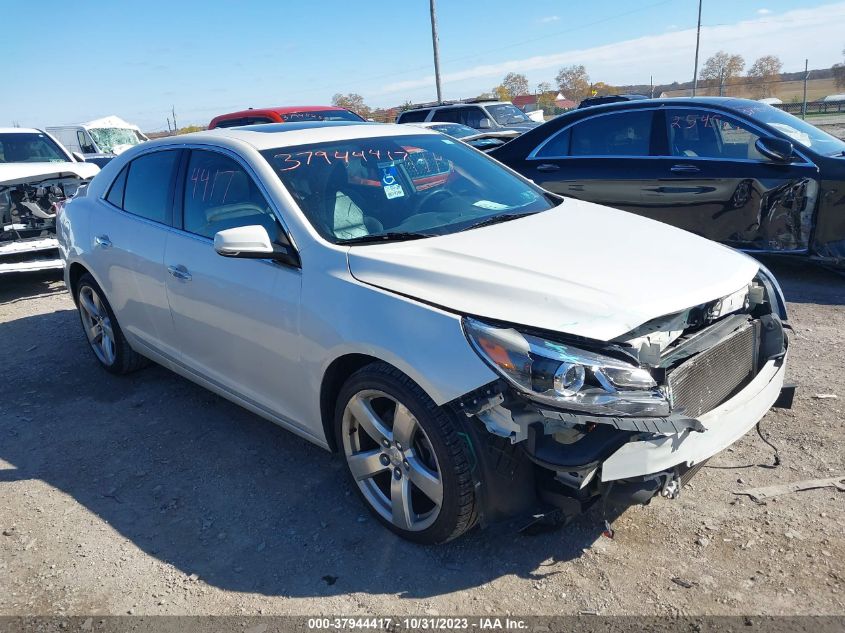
<point>97,325</point>
<point>392,460</point>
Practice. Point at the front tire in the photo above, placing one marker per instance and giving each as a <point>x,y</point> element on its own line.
<point>104,335</point>
<point>405,456</point>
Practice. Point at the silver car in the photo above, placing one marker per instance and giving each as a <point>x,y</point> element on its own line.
<point>475,347</point>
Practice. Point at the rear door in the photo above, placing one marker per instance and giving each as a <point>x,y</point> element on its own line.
<point>128,237</point>
<point>237,320</point>
<point>711,180</point>
<point>605,158</point>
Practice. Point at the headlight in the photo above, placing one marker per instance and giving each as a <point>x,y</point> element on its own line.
<point>565,376</point>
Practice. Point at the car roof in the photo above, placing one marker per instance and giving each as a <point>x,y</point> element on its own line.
<point>22,130</point>
<point>274,135</point>
<point>463,104</point>
<point>279,110</point>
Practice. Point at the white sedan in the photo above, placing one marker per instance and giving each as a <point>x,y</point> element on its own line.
<point>475,347</point>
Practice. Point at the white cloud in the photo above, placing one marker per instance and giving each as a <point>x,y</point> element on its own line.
<point>549,18</point>
<point>763,11</point>
<point>667,56</point>
<point>672,27</point>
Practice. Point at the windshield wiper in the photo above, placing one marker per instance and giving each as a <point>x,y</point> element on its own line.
<point>390,236</point>
<point>496,219</point>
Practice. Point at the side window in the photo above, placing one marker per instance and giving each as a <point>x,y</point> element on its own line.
<point>699,133</point>
<point>85,145</point>
<point>413,116</point>
<point>447,115</point>
<point>472,116</point>
<point>256,120</point>
<point>116,192</point>
<point>147,190</point>
<point>220,195</point>
<point>616,134</point>
<point>558,145</point>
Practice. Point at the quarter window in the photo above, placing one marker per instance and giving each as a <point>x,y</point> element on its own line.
<point>116,192</point>
<point>703,134</point>
<point>148,184</point>
<point>617,134</point>
<point>220,195</point>
<point>558,145</point>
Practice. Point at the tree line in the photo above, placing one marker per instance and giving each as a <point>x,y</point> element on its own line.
<point>718,72</point>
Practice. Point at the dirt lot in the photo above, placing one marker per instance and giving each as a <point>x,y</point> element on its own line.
<point>149,495</point>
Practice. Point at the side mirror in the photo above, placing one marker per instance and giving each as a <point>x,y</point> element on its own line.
<point>484,124</point>
<point>78,157</point>
<point>776,149</point>
<point>253,242</point>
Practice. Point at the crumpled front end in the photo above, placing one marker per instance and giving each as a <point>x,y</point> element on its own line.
<point>640,414</point>
<point>28,212</point>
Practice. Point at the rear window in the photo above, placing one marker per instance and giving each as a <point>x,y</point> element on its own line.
<point>413,116</point>
<point>321,115</point>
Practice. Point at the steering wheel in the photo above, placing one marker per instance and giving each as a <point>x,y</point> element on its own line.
<point>424,198</point>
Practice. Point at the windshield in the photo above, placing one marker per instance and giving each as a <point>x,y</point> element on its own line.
<point>420,184</point>
<point>321,115</point>
<point>507,114</point>
<point>455,129</point>
<point>799,131</point>
<point>30,147</point>
<point>110,138</point>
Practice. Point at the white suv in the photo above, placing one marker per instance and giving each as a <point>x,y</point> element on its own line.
<point>498,116</point>
<point>473,346</point>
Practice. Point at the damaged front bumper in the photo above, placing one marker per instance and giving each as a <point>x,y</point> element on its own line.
<point>29,255</point>
<point>719,380</point>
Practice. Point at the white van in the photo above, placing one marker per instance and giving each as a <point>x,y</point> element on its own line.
<point>99,140</point>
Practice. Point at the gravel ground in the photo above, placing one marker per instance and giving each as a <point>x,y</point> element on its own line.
<point>149,495</point>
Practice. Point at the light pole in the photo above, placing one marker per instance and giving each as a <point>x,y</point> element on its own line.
<point>697,41</point>
<point>436,45</point>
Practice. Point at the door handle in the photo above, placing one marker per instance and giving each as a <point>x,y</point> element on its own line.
<point>684,169</point>
<point>548,167</point>
<point>179,272</point>
<point>102,241</point>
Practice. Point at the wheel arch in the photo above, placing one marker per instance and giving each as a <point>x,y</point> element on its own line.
<point>75,273</point>
<point>337,373</point>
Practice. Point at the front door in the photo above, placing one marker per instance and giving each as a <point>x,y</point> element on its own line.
<point>237,320</point>
<point>713,181</point>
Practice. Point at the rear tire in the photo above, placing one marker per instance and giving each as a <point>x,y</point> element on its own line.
<point>405,456</point>
<point>105,338</point>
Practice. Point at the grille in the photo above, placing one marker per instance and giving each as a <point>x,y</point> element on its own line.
<point>711,377</point>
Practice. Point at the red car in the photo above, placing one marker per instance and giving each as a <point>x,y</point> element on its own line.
<point>288,114</point>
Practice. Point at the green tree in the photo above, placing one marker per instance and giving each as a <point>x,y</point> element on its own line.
<point>354,102</point>
<point>721,68</point>
<point>839,73</point>
<point>574,82</point>
<point>764,73</point>
<point>516,84</point>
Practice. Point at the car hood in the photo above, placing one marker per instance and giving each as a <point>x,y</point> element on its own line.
<point>581,269</point>
<point>19,173</point>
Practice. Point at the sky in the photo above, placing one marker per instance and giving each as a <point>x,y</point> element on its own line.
<point>136,59</point>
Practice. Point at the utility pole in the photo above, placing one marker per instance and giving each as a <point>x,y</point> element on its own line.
<point>806,76</point>
<point>436,44</point>
<point>697,42</point>
<point>651,83</point>
<point>173,111</point>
